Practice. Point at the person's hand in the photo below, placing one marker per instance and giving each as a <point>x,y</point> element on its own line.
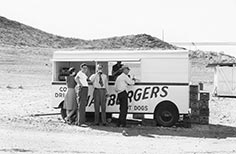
<point>133,78</point>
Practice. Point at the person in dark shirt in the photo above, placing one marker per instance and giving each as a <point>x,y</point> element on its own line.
<point>70,103</point>
<point>116,70</point>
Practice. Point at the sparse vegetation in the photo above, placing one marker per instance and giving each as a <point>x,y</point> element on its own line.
<point>9,87</point>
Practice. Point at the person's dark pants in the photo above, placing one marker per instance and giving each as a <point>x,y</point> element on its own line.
<point>99,100</point>
<point>123,100</point>
<point>83,98</point>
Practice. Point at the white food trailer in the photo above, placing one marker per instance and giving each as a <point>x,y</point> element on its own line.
<point>162,88</point>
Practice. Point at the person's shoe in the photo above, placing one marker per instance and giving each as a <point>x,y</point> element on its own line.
<point>64,120</point>
<point>67,120</point>
<point>76,123</point>
<point>104,124</point>
<point>124,133</point>
<point>96,124</point>
<point>82,125</point>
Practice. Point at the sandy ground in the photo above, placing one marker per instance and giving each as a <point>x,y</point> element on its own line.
<point>25,91</point>
<point>88,140</point>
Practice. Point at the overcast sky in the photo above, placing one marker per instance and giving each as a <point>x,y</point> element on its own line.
<point>181,20</point>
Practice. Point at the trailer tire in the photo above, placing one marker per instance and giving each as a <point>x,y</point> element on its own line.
<point>63,111</point>
<point>166,114</point>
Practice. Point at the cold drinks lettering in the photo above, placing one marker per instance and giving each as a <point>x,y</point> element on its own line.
<point>61,93</point>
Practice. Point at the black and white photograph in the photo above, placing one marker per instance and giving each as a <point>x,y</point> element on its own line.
<point>117,77</point>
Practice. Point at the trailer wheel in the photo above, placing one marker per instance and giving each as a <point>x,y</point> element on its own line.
<point>166,114</point>
<point>63,111</point>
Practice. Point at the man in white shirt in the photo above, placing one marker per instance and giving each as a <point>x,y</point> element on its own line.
<point>121,87</point>
<point>81,79</point>
<point>100,84</point>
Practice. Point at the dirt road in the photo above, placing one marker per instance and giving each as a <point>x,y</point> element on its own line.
<point>88,140</point>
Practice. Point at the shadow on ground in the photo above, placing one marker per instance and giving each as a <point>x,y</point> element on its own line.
<point>135,128</point>
<point>145,128</point>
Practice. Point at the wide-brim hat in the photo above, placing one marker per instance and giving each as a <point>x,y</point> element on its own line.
<point>125,67</point>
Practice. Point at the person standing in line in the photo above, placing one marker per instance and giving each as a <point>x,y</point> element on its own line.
<point>121,85</point>
<point>100,84</point>
<point>70,103</point>
<point>81,79</point>
<point>116,70</point>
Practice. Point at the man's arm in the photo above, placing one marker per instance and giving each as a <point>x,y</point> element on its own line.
<point>129,81</point>
<point>92,78</point>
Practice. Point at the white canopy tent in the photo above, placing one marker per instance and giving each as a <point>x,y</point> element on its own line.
<point>224,79</point>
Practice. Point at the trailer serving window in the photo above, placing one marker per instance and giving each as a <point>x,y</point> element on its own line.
<point>61,68</point>
<point>135,68</point>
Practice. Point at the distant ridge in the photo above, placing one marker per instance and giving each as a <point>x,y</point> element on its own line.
<point>139,41</point>
<point>17,34</point>
<point>14,33</point>
<point>205,43</point>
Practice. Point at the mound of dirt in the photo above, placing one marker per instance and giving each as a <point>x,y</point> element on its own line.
<point>140,41</point>
<point>13,33</point>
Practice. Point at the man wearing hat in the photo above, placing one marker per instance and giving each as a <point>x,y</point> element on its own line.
<point>121,87</point>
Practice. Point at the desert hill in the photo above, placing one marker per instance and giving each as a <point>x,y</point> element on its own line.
<point>140,41</point>
<point>17,35</point>
<point>14,33</point>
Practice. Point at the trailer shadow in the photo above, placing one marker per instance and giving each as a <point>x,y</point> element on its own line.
<point>197,131</point>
